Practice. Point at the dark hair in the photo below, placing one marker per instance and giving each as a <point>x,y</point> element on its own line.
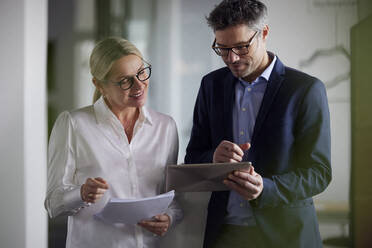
<point>234,12</point>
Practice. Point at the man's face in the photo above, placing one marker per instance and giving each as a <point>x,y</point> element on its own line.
<point>243,66</point>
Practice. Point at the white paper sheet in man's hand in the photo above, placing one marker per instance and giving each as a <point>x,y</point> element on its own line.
<point>200,177</point>
<point>132,211</point>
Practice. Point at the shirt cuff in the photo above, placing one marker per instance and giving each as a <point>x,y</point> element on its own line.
<point>170,213</point>
<point>72,200</point>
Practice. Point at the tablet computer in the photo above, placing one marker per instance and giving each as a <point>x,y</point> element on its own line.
<point>200,177</point>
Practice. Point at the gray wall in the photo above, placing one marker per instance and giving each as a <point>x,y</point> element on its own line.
<point>23,123</point>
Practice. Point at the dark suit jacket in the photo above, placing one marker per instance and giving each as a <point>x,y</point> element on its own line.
<point>290,149</point>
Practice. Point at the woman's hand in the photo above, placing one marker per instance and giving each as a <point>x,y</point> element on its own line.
<point>158,225</point>
<point>93,189</point>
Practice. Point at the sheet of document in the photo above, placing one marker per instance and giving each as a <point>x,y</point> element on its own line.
<point>132,211</point>
<point>200,177</point>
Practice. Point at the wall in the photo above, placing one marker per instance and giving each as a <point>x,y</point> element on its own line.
<point>361,93</point>
<point>23,123</point>
<point>364,9</point>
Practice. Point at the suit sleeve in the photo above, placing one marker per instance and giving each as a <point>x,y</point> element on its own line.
<point>199,149</point>
<point>312,171</point>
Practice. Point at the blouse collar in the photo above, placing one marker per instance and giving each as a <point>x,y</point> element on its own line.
<point>104,113</point>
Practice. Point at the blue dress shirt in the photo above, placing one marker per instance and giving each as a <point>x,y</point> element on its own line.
<point>248,98</point>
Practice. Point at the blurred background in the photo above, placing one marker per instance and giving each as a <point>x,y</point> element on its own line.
<point>330,39</point>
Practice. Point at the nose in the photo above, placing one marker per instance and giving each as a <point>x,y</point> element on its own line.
<point>138,84</point>
<point>232,57</point>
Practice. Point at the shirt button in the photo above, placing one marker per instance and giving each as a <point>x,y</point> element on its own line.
<point>249,89</point>
<point>243,109</point>
<point>241,205</point>
<point>241,133</point>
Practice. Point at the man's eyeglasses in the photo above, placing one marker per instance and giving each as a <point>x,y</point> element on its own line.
<point>238,50</point>
<point>142,75</point>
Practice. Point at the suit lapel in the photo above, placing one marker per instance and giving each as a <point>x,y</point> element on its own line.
<point>228,105</point>
<point>275,81</point>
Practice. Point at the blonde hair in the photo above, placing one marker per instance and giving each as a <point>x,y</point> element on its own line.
<point>104,55</point>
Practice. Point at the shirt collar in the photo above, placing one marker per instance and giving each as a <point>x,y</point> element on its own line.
<point>267,72</point>
<point>145,115</point>
<point>104,113</point>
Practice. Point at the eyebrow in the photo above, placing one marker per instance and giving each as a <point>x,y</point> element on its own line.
<point>242,43</point>
<point>129,76</point>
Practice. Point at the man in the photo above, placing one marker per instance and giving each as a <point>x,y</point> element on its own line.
<point>258,110</point>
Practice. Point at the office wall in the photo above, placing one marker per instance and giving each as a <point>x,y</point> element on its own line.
<point>364,9</point>
<point>23,123</point>
<point>361,89</point>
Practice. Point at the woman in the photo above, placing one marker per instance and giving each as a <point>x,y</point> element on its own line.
<point>114,148</point>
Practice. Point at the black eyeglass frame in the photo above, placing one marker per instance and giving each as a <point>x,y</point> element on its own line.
<point>131,78</point>
<point>217,49</point>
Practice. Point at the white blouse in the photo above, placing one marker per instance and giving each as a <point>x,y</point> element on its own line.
<point>91,142</point>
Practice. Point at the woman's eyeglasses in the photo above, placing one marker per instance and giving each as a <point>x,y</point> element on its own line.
<point>142,75</point>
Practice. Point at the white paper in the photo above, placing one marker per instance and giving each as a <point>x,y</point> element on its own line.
<point>132,211</point>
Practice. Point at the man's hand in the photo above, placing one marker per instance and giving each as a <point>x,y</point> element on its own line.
<point>158,225</point>
<point>228,152</point>
<point>93,189</point>
<point>247,183</point>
